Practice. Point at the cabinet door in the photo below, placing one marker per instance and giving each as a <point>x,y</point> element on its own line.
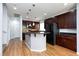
<point>61,21</point>
<point>59,40</point>
<point>64,20</point>
<point>70,20</point>
<point>67,20</point>
<point>49,39</point>
<point>69,42</point>
<point>73,19</point>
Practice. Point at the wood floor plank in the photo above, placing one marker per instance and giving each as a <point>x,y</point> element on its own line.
<point>16,47</point>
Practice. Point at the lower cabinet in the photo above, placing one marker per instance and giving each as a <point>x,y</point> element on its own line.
<point>67,41</point>
<point>59,40</point>
<point>23,36</point>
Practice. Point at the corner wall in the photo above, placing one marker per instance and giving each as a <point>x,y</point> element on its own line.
<point>5,26</point>
<point>1,10</point>
<point>16,27</point>
<point>78,28</point>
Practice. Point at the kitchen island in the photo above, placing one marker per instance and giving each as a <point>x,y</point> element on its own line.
<point>36,41</point>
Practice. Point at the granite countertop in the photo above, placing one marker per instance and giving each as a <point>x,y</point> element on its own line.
<point>37,32</point>
<point>67,33</point>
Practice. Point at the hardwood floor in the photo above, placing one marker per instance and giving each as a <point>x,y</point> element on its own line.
<point>18,48</point>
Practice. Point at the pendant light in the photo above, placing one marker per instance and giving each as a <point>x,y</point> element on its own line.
<point>33,23</point>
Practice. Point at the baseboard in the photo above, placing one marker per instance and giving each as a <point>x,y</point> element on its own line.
<point>38,50</point>
<point>15,38</point>
<point>34,49</point>
<point>4,46</point>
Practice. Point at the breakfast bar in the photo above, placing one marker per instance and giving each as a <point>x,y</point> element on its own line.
<point>36,41</point>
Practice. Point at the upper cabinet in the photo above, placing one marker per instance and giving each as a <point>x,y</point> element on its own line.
<point>67,20</point>
<point>49,21</point>
<point>63,21</point>
<point>30,26</point>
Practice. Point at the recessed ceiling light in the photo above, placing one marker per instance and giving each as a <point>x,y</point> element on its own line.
<point>14,8</point>
<point>65,4</point>
<point>29,9</point>
<point>33,5</point>
<point>45,13</point>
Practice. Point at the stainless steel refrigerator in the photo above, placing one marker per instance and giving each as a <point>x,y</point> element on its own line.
<point>51,37</point>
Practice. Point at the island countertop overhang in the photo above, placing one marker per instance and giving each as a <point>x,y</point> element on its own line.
<point>37,32</point>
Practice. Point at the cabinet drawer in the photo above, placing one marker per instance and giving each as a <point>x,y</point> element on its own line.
<point>68,43</point>
<point>59,41</point>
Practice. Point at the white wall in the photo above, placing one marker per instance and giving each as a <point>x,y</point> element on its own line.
<point>78,28</point>
<point>42,26</point>
<point>1,28</point>
<point>8,36</point>
<point>15,27</point>
<point>11,26</point>
<point>5,28</point>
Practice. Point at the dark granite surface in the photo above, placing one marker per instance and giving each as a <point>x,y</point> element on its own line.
<point>37,32</point>
<point>67,33</point>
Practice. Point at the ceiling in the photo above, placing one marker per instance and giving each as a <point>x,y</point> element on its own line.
<point>41,11</point>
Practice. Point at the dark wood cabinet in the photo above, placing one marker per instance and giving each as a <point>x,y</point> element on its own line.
<point>67,20</point>
<point>49,21</point>
<point>67,41</point>
<point>60,21</point>
<point>72,19</point>
<point>64,21</point>
<point>59,40</point>
<point>31,25</point>
<point>23,36</point>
